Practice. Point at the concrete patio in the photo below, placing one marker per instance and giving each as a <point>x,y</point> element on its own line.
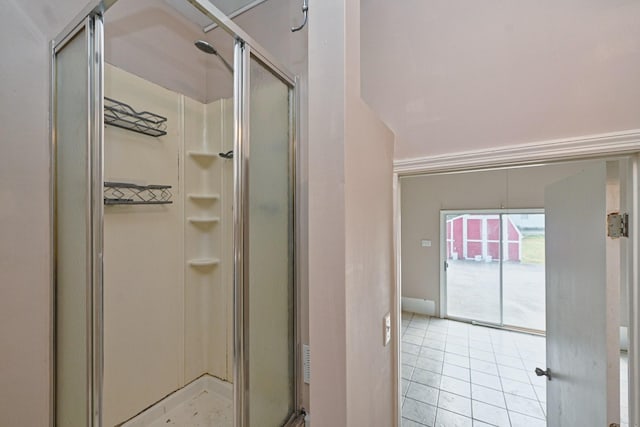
<point>473,292</point>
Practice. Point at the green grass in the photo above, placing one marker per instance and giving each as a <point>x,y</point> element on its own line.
<point>533,250</point>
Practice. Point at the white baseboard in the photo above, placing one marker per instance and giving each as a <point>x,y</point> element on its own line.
<point>624,338</point>
<point>418,305</point>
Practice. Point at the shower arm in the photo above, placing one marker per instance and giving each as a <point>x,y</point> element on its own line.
<point>208,48</point>
<point>226,64</point>
<point>305,14</point>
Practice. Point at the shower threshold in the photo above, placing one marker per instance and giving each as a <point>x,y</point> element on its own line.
<point>205,402</point>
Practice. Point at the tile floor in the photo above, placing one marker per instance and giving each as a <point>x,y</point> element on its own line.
<point>624,390</point>
<point>461,375</point>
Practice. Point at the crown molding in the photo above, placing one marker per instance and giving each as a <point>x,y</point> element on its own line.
<point>553,150</point>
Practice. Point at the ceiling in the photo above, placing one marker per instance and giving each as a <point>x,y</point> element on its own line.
<point>453,75</point>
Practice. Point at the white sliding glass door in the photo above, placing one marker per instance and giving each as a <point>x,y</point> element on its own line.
<point>494,267</point>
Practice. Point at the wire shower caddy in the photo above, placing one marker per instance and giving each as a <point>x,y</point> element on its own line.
<point>124,193</point>
<point>122,115</point>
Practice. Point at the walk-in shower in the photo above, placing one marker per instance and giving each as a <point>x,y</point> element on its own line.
<point>175,298</point>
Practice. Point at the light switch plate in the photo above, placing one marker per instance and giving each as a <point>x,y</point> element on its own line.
<point>386,329</point>
<point>425,243</point>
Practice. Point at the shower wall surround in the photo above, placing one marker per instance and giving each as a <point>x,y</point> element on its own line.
<point>167,268</point>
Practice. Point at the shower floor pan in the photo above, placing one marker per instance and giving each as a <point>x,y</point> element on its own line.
<point>205,402</point>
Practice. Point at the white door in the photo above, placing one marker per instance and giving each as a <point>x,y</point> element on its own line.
<point>582,339</point>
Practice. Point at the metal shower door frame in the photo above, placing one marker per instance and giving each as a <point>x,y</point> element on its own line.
<point>244,54</point>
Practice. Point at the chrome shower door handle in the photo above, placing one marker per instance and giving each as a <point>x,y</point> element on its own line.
<point>540,372</point>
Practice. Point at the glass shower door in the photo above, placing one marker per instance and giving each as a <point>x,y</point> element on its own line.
<point>268,284</point>
<point>76,213</point>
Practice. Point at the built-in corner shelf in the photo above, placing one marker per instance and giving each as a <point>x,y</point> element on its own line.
<point>204,220</point>
<point>202,155</point>
<point>203,262</point>
<point>203,197</point>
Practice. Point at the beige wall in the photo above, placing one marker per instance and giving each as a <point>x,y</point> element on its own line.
<point>143,348</point>
<point>326,204</point>
<point>369,145</point>
<point>350,229</point>
<point>25,29</point>
<point>423,197</point>
<point>369,258</point>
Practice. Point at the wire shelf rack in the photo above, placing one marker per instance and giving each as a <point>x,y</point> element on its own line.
<point>124,193</point>
<point>121,115</point>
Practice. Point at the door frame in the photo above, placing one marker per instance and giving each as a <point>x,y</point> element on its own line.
<point>246,48</point>
<point>614,144</point>
<point>443,259</point>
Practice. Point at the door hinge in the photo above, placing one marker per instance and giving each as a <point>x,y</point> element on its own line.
<point>617,225</point>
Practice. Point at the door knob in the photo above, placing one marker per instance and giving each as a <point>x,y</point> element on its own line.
<point>540,372</point>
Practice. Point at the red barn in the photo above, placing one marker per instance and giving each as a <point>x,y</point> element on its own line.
<point>477,237</point>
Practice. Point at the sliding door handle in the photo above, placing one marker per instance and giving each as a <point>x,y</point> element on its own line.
<point>540,372</point>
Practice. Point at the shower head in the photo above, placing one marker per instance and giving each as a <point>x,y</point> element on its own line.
<point>208,48</point>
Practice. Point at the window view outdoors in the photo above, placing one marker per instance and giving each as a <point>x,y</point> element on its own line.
<point>495,268</point>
